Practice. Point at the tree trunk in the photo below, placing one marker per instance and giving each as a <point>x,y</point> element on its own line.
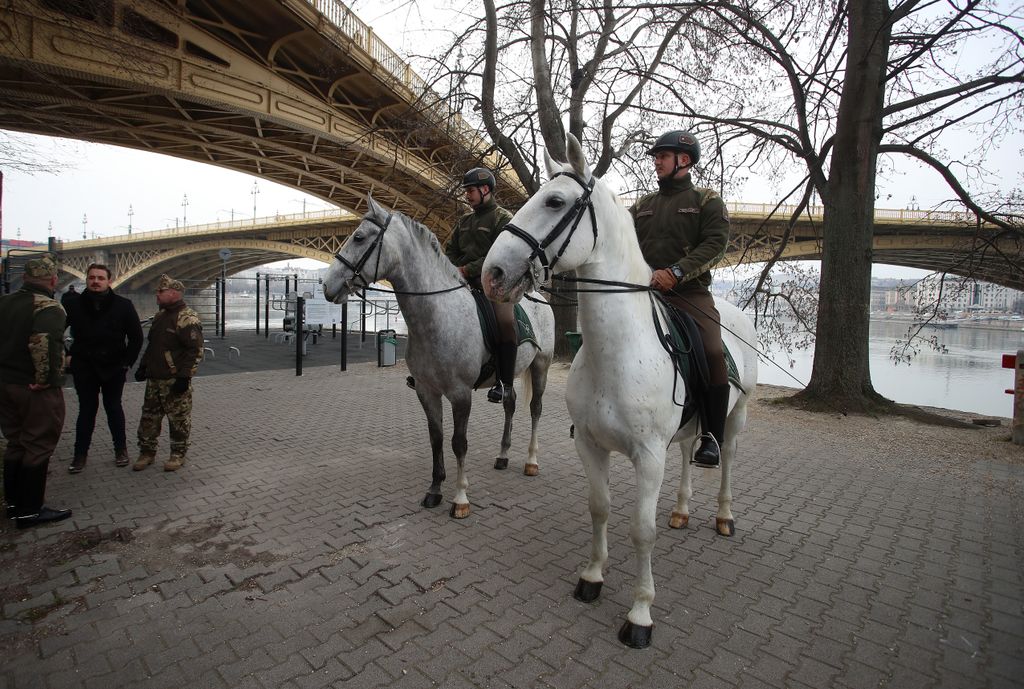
<point>841,376</point>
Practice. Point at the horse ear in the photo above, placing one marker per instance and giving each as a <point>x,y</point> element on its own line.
<point>575,150</point>
<point>373,207</point>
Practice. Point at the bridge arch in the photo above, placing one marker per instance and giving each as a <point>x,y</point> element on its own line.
<point>201,260</point>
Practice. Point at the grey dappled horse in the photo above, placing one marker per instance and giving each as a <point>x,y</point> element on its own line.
<point>622,384</point>
<point>446,348</point>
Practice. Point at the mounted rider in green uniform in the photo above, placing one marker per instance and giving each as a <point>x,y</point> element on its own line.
<point>467,248</point>
<point>683,232</point>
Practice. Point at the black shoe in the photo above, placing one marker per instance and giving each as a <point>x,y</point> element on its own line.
<point>708,454</point>
<point>43,516</point>
<point>121,457</point>
<point>410,382</point>
<point>497,393</point>
<point>77,464</point>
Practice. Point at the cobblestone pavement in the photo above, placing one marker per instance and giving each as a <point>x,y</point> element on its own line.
<point>291,551</point>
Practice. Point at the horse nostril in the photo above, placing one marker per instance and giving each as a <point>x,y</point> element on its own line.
<point>496,273</point>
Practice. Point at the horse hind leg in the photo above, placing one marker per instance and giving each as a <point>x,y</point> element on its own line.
<point>680,517</point>
<point>432,408</point>
<point>595,463</point>
<point>460,420</point>
<point>725,523</point>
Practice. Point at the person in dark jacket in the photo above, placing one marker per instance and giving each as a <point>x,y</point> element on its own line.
<point>106,341</point>
<point>683,233</point>
<point>468,248</point>
<point>69,297</point>
<point>173,352</point>
<point>31,395</point>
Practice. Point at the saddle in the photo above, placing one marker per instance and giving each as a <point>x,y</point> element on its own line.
<point>489,330</point>
<point>686,346</point>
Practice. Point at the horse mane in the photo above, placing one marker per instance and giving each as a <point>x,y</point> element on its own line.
<point>426,237</point>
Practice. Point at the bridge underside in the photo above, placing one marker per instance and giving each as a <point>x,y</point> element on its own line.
<point>265,87</point>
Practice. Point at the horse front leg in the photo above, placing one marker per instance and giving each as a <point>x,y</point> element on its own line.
<point>595,464</point>
<point>537,379</point>
<point>461,406</point>
<point>509,406</point>
<point>636,631</point>
<point>431,404</point>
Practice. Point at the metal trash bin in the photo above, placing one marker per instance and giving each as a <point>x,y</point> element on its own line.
<point>387,348</point>
<point>575,341</point>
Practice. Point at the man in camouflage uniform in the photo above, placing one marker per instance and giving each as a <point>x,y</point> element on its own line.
<point>683,233</point>
<point>31,398</point>
<point>172,356</point>
<point>468,248</point>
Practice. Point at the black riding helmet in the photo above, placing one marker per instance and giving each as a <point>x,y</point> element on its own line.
<point>677,140</point>
<point>477,177</point>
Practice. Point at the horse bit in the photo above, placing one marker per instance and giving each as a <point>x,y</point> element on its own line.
<point>573,215</point>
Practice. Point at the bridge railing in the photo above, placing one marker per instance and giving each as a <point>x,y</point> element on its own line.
<point>271,221</point>
<point>898,215</point>
<point>363,35</point>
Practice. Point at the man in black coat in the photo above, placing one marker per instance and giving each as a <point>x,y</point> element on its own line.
<point>106,340</point>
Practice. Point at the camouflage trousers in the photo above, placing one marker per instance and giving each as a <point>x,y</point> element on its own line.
<point>160,401</point>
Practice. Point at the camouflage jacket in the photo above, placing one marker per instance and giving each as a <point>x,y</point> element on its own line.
<point>31,338</point>
<point>474,235</point>
<point>175,343</point>
<point>682,225</point>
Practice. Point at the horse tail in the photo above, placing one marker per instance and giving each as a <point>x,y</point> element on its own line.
<point>527,376</point>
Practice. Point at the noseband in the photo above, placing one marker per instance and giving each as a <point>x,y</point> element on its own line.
<point>572,216</point>
<point>357,267</point>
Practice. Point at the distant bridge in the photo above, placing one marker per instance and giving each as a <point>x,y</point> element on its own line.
<point>937,241</point>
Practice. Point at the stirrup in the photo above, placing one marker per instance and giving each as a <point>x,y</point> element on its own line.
<point>695,454</point>
<point>497,393</point>
<point>410,382</point>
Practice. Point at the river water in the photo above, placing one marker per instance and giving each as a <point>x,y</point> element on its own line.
<point>968,376</point>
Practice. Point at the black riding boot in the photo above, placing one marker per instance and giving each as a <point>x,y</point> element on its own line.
<point>716,402</point>
<point>506,371</point>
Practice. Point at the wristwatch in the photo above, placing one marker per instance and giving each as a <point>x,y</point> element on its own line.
<point>677,271</point>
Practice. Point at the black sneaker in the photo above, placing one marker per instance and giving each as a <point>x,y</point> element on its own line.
<point>43,516</point>
<point>77,464</point>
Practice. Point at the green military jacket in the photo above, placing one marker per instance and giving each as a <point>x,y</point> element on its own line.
<point>31,338</point>
<point>175,343</point>
<point>474,235</point>
<point>682,225</point>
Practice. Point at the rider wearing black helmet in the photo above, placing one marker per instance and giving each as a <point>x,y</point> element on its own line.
<point>467,248</point>
<point>683,233</point>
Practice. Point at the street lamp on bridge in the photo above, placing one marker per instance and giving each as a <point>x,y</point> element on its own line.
<point>85,220</point>
<point>255,190</point>
<point>184,212</point>
<point>131,212</point>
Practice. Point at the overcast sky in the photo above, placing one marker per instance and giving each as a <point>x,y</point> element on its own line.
<point>99,184</point>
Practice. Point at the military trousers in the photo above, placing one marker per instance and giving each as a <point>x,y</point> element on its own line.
<point>31,421</point>
<point>698,302</point>
<point>159,402</point>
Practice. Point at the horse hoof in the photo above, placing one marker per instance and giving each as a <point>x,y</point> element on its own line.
<point>431,500</point>
<point>678,520</point>
<point>459,511</point>
<point>725,527</point>
<point>587,591</point>
<point>501,463</point>
<point>635,636</point>
<point>531,470</point>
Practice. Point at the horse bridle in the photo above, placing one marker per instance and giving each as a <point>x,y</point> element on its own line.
<point>575,213</point>
<point>357,267</point>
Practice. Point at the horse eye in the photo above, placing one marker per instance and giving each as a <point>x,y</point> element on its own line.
<point>555,202</point>
<point>358,237</point>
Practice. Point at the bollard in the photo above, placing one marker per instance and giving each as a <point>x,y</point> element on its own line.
<point>1017,425</point>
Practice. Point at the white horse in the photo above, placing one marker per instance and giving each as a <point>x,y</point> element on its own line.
<point>446,347</point>
<point>621,383</point>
